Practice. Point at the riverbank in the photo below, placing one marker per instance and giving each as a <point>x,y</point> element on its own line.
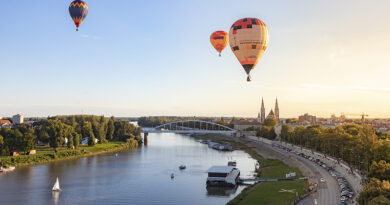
<point>281,192</point>
<point>45,155</point>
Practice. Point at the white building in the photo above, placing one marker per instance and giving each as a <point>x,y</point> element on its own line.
<point>17,119</point>
<point>222,176</point>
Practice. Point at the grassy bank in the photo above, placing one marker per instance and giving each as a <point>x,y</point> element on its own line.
<point>278,193</point>
<point>45,155</point>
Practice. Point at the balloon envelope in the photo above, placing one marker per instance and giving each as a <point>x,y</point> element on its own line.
<point>248,39</point>
<point>219,39</point>
<point>78,10</point>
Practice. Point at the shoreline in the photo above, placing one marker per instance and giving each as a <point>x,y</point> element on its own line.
<point>269,167</point>
<point>65,154</point>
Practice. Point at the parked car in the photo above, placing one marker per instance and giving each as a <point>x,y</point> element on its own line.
<point>343,199</point>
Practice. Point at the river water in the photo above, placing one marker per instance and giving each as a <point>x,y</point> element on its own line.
<point>140,176</point>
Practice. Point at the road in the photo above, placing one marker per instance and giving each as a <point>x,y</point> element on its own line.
<point>328,191</point>
<point>353,179</point>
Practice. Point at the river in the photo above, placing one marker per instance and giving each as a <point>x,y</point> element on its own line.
<point>140,176</point>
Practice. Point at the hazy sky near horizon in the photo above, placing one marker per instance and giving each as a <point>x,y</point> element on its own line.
<point>137,58</point>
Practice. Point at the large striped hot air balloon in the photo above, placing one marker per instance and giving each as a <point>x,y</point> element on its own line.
<point>78,10</point>
<point>219,39</point>
<point>248,39</point>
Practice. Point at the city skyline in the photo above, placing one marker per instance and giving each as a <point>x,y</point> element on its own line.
<point>320,65</point>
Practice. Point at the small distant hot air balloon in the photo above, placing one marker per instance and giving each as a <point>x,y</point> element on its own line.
<point>219,39</point>
<point>248,39</point>
<point>78,10</point>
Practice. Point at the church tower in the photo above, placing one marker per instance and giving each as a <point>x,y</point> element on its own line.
<point>262,111</point>
<point>277,111</point>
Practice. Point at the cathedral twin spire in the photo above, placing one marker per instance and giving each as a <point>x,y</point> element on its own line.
<point>271,114</point>
<point>262,111</point>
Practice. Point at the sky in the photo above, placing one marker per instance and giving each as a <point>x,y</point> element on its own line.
<point>141,58</point>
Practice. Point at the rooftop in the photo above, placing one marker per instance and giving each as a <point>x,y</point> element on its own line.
<point>5,122</point>
<point>220,169</point>
<point>244,122</point>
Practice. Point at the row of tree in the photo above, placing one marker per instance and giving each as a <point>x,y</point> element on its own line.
<point>55,131</point>
<point>153,121</point>
<point>361,146</point>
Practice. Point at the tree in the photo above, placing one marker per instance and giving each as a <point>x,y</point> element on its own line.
<point>55,129</point>
<point>298,135</point>
<point>43,136</point>
<point>285,132</point>
<point>87,131</point>
<point>222,121</point>
<point>102,129</point>
<point>70,143</point>
<point>267,132</point>
<point>95,127</point>
<point>375,188</point>
<point>379,200</point>
<point>381,150</point>
<point>292,121</point>
<point>76,139</point>
<point>28,141</point>
<point>111,128</point>
<point>1,144</point>
<point>272,134</point>
<point>380,170</point>
<point>383,136</point>
<point>68,134</point>
<point>270,122</point>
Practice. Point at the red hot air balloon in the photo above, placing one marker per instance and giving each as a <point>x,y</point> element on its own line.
<point>248,38</point>
<point>219,39</point>
<point>78,10</point>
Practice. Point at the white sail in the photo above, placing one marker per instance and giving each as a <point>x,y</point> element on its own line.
<point>56,186</point>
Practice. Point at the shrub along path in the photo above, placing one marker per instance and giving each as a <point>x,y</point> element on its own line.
<point>45,155</point>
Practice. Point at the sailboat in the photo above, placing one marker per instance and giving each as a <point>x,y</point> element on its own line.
<point>56,186</point>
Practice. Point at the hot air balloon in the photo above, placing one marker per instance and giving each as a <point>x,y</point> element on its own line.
<point>248,39</point>
<point>78,10</point>
<point>219,39</point>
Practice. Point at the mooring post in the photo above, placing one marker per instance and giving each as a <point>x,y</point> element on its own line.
<point>146,138</point>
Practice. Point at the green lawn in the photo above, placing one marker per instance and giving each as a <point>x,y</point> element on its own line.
<point>275,193</point>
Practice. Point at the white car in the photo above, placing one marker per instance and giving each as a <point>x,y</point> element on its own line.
<point>322,180</point>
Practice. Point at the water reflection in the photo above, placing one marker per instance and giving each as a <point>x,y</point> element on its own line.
<point>56,197</point>
<point>221,191</point>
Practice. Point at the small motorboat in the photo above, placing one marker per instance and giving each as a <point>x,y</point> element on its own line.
<point>232,163</point>
<point>181,167</point>
<point>56,186</point>
<point>204,141</point>
<point>172,176</point>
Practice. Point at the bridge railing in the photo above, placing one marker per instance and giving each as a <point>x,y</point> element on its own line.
<point>194,125</point>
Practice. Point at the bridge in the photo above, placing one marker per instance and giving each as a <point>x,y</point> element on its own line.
<point>190,127</point>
